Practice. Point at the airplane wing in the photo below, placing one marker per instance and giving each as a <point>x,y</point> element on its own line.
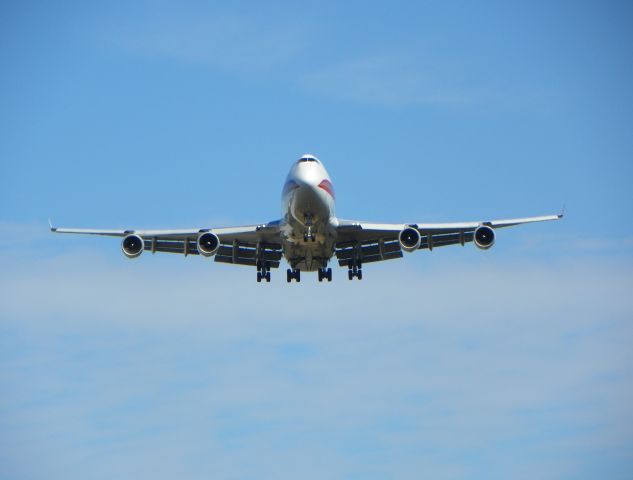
<point>372,242</point>
<point>239,245</point>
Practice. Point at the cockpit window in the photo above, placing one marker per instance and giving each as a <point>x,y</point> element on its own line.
<point>307,159</point>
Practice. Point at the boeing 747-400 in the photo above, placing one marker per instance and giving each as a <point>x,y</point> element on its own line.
<point>309,234</point>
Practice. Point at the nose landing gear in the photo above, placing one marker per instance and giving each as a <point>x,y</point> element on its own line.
<point>309,234</point>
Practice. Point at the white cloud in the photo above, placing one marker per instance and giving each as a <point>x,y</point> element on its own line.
<point>166,366</point>
<point>225,41</point>
<point>248,44</point>
<point>393,80</point>
<point>578,245</point>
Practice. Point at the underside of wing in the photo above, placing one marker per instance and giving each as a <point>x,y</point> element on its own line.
<point>245,245</point>
<point>352,252</point>
<point>363,242</point>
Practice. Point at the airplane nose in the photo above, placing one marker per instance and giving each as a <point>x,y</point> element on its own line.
<point>307,202</point>
<point>307,175</point>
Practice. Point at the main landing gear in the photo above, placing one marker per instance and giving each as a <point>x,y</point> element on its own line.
<point>354,270</point>
<point>263,272</point>
<point>293,274</point>
<point>325,273</point>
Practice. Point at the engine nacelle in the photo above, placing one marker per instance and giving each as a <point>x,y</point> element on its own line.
<point>409,239</point>
<point>484,237</point>
<point>208,244</point>
<point>132,246</point>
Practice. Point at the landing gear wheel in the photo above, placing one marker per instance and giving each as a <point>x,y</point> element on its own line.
<point>325,274</point>
<point>263,271</point>
<point>354,272</point>
<point>293,274</point>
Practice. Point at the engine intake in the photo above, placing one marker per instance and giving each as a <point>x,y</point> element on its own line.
<point>484,237</point>
<point>132,246</point>
<point>409,239</point>
<point>208,244</point>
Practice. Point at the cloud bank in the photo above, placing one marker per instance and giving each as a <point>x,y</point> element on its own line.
<point>169,366</point>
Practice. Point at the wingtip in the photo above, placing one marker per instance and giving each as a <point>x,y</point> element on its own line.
<point>50,224</point>
<point>562,212</point>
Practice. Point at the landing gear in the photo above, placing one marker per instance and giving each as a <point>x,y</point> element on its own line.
<point>263,272</point>
<point>354,270</point>
<point>263,276</point>
<point>293,274</point>
<point>309,234</point>
<point>325,273</point>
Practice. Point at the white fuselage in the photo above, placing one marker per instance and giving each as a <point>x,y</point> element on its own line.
<point>308,228</point>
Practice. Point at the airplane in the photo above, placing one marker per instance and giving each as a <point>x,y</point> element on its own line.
<point>309,234</point>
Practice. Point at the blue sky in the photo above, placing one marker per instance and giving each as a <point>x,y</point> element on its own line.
<point>456,363</point>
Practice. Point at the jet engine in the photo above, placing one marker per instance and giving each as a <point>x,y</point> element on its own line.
<point>484,237</point>
<point>132,246</point>
<point>208,244</point>
<point>409,239</point>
